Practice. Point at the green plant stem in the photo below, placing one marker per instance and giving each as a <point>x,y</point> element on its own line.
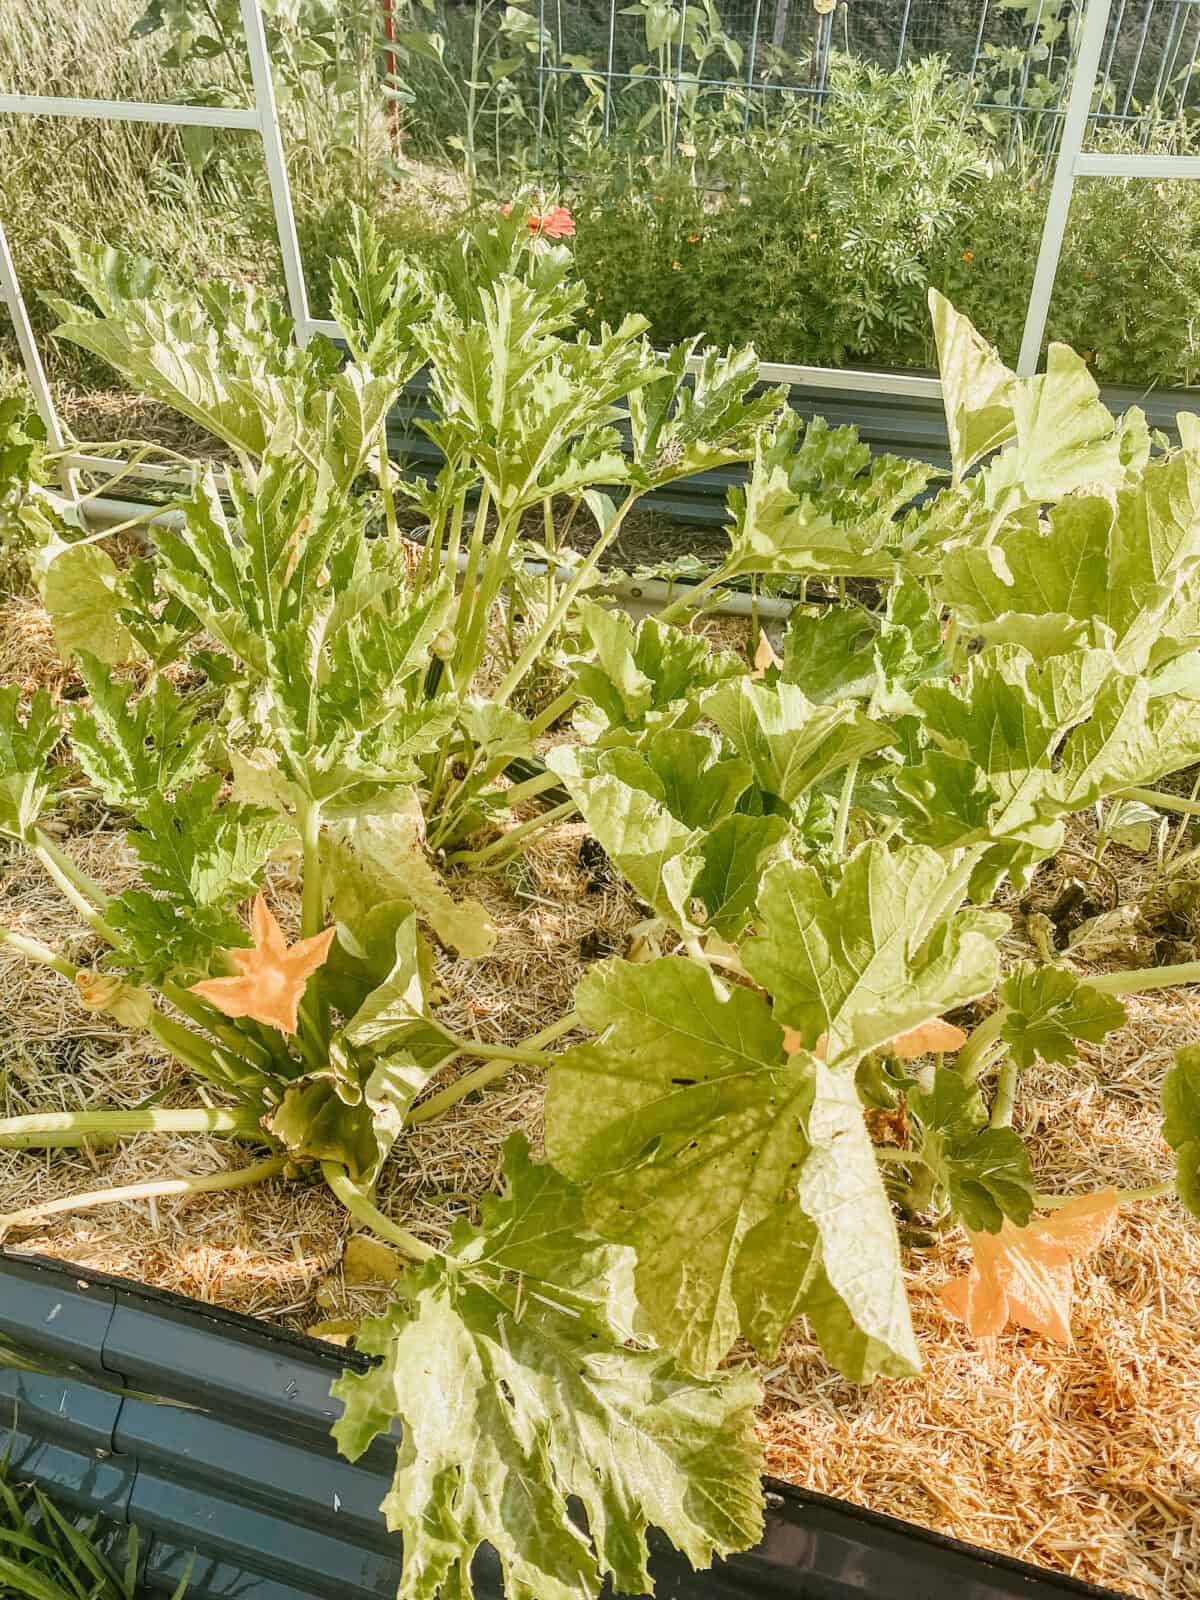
<point>66,1130</point>
<point>530,789</point>
<point>557,708</point>
<point>200,1056</point>
<point>1165,802</point>
<point>60,870</point>
<point>1006,1095</point>
<point>208,1017</point>
<point>1125,1197</point>
<point>163,1189</point>
<point>550,625</point>
<point>952,891</point>
<point>362,1209</point>
<point>504,845</point>
<point>973,1055</point>
<point>693,594</point>
<point>312,905</point>
<point>843,810</point>
<point>385,485</point>
<point>494,1069</point>
<point>1145,979</point>
<point>35,950</point>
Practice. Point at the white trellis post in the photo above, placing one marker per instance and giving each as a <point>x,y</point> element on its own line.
<point>261,118</point>
<point>1074,163</point>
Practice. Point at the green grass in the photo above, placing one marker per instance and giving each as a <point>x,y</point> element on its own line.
<point>46,1555</point>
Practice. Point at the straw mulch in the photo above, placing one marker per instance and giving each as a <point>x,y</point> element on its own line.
<point>1084,1460</point>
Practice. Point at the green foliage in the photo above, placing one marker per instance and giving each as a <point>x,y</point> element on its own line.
<point>29,736</point>
<point>47,1555</point>
<point>1181,1123</point>
<point>983,1172</point>
<point>511,1358</point>
<point>1049,1010</point>
<point>877,955</point>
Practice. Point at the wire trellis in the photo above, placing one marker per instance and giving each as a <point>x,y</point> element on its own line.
<point>761,55</point>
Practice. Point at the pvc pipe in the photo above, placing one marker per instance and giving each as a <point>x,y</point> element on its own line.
<point>652,593</point>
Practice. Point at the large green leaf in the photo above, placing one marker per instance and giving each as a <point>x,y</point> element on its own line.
<point>200,859</point>
<point>822,509</point>
<point>694,1138</point>
<point>82,591</point>
<point>1181,1123</point>
<point>134,750</point>
<point>1062,438</point>
<point>976,387</point>
<point>388,844</point>
<point>515,1399</point>
<point>649,676</point>
<point>790,743</point>
<point>27,780</point>
<point>1049,1009</point>
<point>665,814</point>
<point>869,959</point>
<point>1106,571</point>
<point>683,425</point>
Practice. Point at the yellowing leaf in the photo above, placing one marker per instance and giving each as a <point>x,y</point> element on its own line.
<point>365,1260</point>
<point>274,975</point>
<point>1024,1275</point>
<point>931,1038</point>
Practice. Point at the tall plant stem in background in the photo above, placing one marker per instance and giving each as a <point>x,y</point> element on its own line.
<point>557,613</point>
<point>312,902</point>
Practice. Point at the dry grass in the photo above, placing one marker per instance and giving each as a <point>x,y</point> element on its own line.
<point>1085,1460</point>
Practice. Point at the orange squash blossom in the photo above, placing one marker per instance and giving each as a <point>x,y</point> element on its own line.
<point>1024,1275</point>
<point>274,974</point>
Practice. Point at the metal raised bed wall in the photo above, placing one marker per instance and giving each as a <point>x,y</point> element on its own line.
<point>210,1433</point>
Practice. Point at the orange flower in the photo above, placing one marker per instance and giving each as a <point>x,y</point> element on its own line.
<point>968,255</point>
<point>1023,1275</point>
<point>929,1039</point>
<point>555,224</point>
<point>274,976</point>
<point>693,238</point>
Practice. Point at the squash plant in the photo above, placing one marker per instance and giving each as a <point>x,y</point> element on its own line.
<point>816,837</point>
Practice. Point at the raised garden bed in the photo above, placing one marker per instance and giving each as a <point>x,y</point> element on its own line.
<point>800,1057</point>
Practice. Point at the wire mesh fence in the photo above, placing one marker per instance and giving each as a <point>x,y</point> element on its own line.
<point>646,67</point>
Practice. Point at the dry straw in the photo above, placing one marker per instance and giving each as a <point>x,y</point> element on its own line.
<point>1084,1460</point>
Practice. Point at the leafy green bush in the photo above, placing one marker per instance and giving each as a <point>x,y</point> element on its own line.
<point>816,842</point>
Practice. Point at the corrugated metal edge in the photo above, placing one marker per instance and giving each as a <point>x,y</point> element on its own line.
<point>237,1466</point>
<point>908,427</point>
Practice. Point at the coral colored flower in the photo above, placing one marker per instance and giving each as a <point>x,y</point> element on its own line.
<point>1024,1276</point>
<point>930,1038</point>
<point>693,238</point>
<point>506,210</point>
<point>274,974</point>
<point>555,224</point>
<point>968,255</point>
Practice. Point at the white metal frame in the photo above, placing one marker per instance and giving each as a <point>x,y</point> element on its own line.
<point>1074,163</point>
<point>262,118</point>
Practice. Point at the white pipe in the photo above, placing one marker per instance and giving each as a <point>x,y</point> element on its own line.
<point>46,105</point>
<point>655,594</point>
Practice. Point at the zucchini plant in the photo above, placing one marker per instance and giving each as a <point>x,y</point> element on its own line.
<point>355,665</point>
